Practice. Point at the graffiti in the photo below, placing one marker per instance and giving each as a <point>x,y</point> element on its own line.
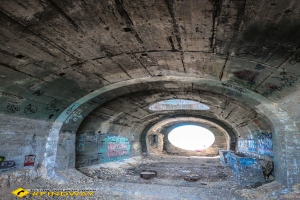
<point>7,164</point>
<point>246,75</point>
<point>271,86</point>
<point>265,144</point>
<point>239,89</point>
<point>52,109</point>
<point>71,108</point>
<point>54,105</point>
<point>256,52</point>
<point>247,162</point>
<point>249,84</point>
<point>246,146</point>
<point>12,108</point>
<point>10,95</point>
<point>29,160</point>
<point>38,93</point>
<point>114,148</point>
<point>251,145</point>
<point>80,143</point>
<point>260,52</point>
<point>231,160</point>
<point>30,109</point>
<point>284,81</point>
<point>259,67</point>
<point>75,116</point>
<point>261,144</point>
<point>2,158</point>
<point>295,60</point>
<point>96,101</point>
<point>136,147</point>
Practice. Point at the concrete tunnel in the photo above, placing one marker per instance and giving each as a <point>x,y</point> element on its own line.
<point>90,91</point>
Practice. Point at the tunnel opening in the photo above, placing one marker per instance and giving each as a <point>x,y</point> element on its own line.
<point>191,137</point>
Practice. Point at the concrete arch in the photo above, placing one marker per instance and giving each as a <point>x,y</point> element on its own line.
<point>96,98</point>
<point>178,121</point>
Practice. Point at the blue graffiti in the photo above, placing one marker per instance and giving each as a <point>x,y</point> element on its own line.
<point>261,144</point>
<point>231,160</point>
<point>247,162</point>
<point>251,146</point>
<point>259,67</point>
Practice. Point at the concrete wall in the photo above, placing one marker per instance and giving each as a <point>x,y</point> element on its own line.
<point>22,147</point>
<point>97,147</point>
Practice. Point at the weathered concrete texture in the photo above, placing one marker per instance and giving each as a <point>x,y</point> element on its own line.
<point>229,41</point>
<point>19,177</point>
<point>22,147</point>
<point>60,60</point>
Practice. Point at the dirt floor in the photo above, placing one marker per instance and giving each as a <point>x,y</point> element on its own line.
<point>121,180</point>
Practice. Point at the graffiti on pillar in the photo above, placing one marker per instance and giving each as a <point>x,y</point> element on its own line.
<point>260,144</point>
<point>2,158</point>
<point>265,144</point>
<point>7,165</point>
<point>75,116</point>
<point>114,148</point>
<point>80,140</point>
<point>29,160</point>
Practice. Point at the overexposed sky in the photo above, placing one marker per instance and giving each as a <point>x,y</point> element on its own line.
<point>191,137</point>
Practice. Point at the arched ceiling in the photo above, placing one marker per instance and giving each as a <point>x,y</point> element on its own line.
<point>131,114</point>
<point>53,53</point>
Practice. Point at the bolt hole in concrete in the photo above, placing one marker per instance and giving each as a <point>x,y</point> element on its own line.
<point>191,137</point>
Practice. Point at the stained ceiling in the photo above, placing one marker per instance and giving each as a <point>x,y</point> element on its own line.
<point>53,53</point>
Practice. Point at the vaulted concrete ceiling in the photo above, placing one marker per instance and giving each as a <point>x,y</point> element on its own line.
<point>52,52</point>
<point>101,64</point>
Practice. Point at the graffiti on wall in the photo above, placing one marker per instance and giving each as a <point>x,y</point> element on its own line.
<point>260,144</point>
<point>265,144</point>
<point>231,161</point>
<point>75,116</point>
<point>114,148</point>
<point>236,88</point>
<point>80,143</point>
<point>29,160</point>
<point>259,67</point>
<point>288,80</point>
<point>7,165</point>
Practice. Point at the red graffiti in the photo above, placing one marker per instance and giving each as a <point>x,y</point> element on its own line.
<point>7,164</point>
<point>116,153</point>
<point>29,160</point>
<point>116,149</point>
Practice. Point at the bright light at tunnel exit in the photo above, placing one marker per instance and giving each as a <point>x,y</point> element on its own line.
<point>191,137</point>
